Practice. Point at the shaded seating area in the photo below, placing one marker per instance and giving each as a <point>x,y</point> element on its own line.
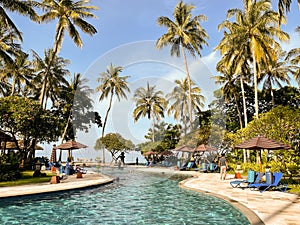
<point>272,181</point>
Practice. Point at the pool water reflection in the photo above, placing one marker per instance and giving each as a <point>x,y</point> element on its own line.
<point>134,198</point>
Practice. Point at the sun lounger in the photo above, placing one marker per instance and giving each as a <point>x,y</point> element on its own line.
<point>274,182</point>
<point>253,177</point>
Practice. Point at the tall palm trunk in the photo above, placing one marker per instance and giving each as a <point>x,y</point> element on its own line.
<point>255,85</point>
<point>105,122</point>
<point>54,53</point>
<point>190,91</point>
<point>153,124</point>
<point>246,154</point>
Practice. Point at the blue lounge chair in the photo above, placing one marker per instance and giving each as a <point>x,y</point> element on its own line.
<point>253,177</point>
<point>270,183</point>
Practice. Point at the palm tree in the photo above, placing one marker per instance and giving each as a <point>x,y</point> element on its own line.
<point>69,14</point>
<point>179,100</point>
<point>274,74</point>
<point>20,72</point>
<point>111,84</point>
<point>256,28</point>
<point>294,58</point>
<point>19,6</point>
<point>9,45</point>
<point>284,7</point>
<point>230,87</point>
<point>149,103</point>
<point>55,78</point>
<point>75,100</point>
<point>184,33</point>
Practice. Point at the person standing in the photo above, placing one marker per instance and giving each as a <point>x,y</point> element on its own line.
<point>223,164</point>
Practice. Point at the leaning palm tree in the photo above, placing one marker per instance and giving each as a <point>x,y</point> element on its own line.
<point>111,84</point>
<point>256,27</point>
<point>69,14</point>
<point>149,103</point>
<point>75,100</point>
<point>179,100</point>
<point>184,34</point>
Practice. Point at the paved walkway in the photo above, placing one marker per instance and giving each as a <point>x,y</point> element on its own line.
<point>270,207</point>
<point>71,183</point>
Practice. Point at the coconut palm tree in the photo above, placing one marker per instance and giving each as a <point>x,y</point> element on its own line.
<point>19,6</point>
<point>149,103</point>
<point>111,84</point>
<point>69,14</point>
<point>293,57</point>
<point>75,100</point>
<point>21,73</point>
<point>9,45</point>
<point>56,77</point>
<point>184,34</point>
<point>179,100</point>
<point>274,74</point>
<point>256,27</point>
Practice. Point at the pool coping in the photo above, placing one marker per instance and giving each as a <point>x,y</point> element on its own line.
<point>253,218</point>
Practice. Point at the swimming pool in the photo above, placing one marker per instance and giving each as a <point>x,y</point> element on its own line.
<point>134,198</point>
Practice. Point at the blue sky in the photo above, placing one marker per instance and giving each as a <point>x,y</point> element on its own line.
<point>127,32</point>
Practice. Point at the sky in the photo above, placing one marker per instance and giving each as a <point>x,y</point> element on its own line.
<point>127,33</point>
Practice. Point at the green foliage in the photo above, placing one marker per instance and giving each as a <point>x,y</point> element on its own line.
<point>9,167</point>
<point>114,143</point>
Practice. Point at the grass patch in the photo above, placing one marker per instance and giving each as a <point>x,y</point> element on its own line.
<point>27,178</point>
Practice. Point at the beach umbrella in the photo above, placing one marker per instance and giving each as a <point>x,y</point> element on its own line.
<point>260,143</point>
<point>12,145</point>
<point>150,153</point>
<point>204,148</point>
<point>184,148</point>
<point>166,153</point>
<point>70,145</point>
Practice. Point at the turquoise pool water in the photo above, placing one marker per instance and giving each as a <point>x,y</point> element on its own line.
<point>135,198</point>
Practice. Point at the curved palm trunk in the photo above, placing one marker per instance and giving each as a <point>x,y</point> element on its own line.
<point>105,122</point>
<point>239,112</point>
<point>190,91</point>
<point>64,134</point>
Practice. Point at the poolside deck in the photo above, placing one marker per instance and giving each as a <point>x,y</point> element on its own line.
<point>270,207</point>
<point>71,183</point>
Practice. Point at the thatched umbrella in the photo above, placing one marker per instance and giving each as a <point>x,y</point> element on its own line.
<point>204,148</point>
<point>259,143</point>
<point>70,145</point>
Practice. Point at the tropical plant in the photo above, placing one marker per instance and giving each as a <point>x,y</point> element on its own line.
<point>255,28</point>
<point>23,119</point>
<point>184,34</point>
<point>294,58</point>
<point>149,103</point>
<point>19,6</point>
<point>55,81</point>
<point>20,72</point>
<point>179,102</point>
<point>69,14</point>
<point>115,144</point>
<point>111,84</point>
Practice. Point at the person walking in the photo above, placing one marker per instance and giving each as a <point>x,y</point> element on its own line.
<point>223,164</point>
